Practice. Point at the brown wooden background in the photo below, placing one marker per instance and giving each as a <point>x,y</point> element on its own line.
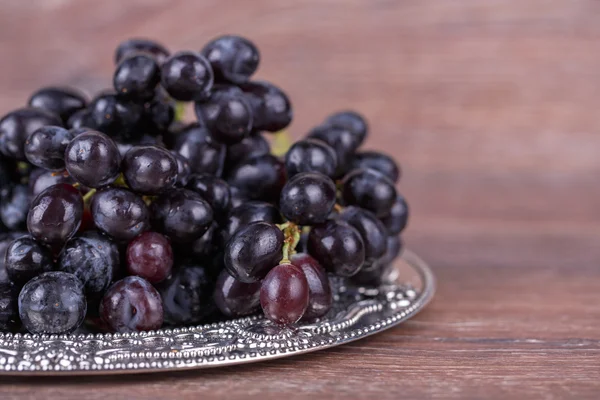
<point>493,108</point>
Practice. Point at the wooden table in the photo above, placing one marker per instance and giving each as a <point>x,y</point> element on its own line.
<point>493,109</point>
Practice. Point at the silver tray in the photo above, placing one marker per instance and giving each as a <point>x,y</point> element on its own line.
<point>357,313</point>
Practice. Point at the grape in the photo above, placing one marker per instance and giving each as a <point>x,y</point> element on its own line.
<point>186,296</point>
<point>44,179</point>
<point>187,76</point>
<point>150,256</point>
<point>92,258</point>
<point>372,231</point>
<point>136,77</point>
<point>55,215</point>
<point>253,251</point>
<point>311,155</point>
<point>251,146</point>
<point>145,46</point>
<point>52,303</point>
<point>308,198</point>
<point>14,205</point>
<point>369,189</point>
<point>183,169</point>
<point>375,274</point>
<point>60,101</point>
<point>226,113</point>
<point>149,169</point>
<point>351,121</point>
<point>203,154</point>
<point>377,161</point>
<point>115,116</point>
<point>93,159</point>
<point>158,113</point>
<point>271,107</point>
<point>120,213</point>
<point>45,148</point>
<point>25,258</point>
<point>214,190</point>
<point>18,125</point>
<point>203,247</point>
<point>9,307</point>
<point>338,247</point>
<point>341,140</point>
<point>320,297</point>
<point>5,240</point>
<point>237,197</point>
<point>182,215</point>
<point>284,294</point>
<point>396,220</point>
<point>81,119</point>
<point>260,178</point>
<point>234,298</point>
<point>131,305</point>
<point>233,58</point>
<point>248,212</point>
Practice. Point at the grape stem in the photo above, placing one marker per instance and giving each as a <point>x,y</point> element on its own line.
<point>338,208</point>
<point>291,233</point>
<point>120,181</point>
<point>88,196</point>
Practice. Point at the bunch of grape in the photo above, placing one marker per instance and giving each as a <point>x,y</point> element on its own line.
<point>116,213</point>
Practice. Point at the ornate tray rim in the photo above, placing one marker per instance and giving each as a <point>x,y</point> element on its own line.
<point>238,341</point>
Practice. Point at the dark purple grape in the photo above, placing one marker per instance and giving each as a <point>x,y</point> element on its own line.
<point>253,251</point>
<point>369,189</point>
<point>284,294</point>
<point>52,303</point>
<point>9,307</point>
<point>271,107</point>
<point>187,296</point>
<point>25,258</point>
<point>115,116</point>
<point>311,155</point>
<point>158,113</point>
<point>259,178</point>
<point>214,190</point>
<point>120,213</point>
<point>61,101</point>
<point>373,232</point>
<point>45,148</point>
<point>187,76</point>
<point>237,197</point>
<point>14,206</point>
<point>145,46</point>
<point>342,141</point>
<point>55,215</point>
<point>351,121</point>
<point>308,198</point>
<point>132,305</point>
<point>234,298</point>
<point>203,154</point>
<point>92,258</point>
<point>396,220</point>
<point>42,180</point>
<point>233,58</point>
<point>81,119</point>
<point>18,125</point>
<point>149,169</point>
<point>184,171</point>
<point>182,215</point>
<point>338,247</point>
<point>227,114</point>
<point>203,247</point>
<point>320,298</point>
<point>150,256</point>
<point>5,240</point>
<point>136,77</point>
<point>248,212</point>
<point>93,159</point>
<point>376,273</point>
<point>377,161</point>
<point>252,146</point>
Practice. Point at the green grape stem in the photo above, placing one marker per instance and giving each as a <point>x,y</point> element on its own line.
<point>88,196</point>
<point>291,233</point>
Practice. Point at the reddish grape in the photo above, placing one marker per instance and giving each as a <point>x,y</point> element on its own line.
<point>284,294</point>
<point>320,297</point>
<point>150,256</point>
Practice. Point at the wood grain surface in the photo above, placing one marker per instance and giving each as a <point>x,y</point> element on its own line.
<point>491,106</point>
